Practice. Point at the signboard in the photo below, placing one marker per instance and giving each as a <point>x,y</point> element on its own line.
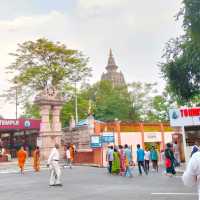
<point>19,124</point>
<point>95,141</point>
<point>108,137</point>
<point>184,117</point>
<point>152,137</point>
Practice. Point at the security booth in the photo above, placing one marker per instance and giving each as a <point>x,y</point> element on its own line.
<point>187,122</point>
<point>15,133</point>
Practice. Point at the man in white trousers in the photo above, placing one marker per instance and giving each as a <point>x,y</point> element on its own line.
<point>53,163</point>
<point>191,176</point>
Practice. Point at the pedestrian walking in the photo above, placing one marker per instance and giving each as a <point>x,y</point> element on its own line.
<point>110,158</point>
<point>122,160</point>
<point>128,161</point>
<point>21,156</point>
<point>36,159</point>
<point>116,162</point>
<point>72,152</point>
<point>191,176</point>
<point>176,153</point>
<point>140,159</point>
<point>53,164</point>
<point>169,160</point>
<point>68,158</point>
<point>146,159</point>
<point>154,158</point>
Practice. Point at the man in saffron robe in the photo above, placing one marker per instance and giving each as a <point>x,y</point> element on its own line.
<point>71,149</point>
<point>21,155</point>
<point>36,159</point>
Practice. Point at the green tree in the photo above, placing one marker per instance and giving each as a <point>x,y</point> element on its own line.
<point>42,62</point>
<point>107,103</point>
<point>68,109</point>
<point>182,57</point>
<point>111,103</point>
<point>160,105</point>
<point>181,69</point>
<point>141,97</point>
<point>148,105</point>
<point>31,111</point>
<point>191,14</point>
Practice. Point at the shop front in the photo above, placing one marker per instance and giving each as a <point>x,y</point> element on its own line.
<point>15,133</point>
<point>187,122</point>
<point>145,134</point>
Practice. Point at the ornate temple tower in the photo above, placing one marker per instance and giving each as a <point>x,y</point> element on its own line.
<point>117,78</point>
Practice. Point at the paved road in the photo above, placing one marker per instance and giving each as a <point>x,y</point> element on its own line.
<point>87,183</point>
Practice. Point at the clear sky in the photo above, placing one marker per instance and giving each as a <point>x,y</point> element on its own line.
<point>135,30</point>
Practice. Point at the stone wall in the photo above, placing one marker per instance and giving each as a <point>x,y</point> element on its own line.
<point>80,137</point>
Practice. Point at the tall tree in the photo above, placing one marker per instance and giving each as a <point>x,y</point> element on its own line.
<point>181,69</point>
<point>182,57</point>
<point>31,111</point>
<point>42,62</point>
<point>191,13</point>
<point>141,96</point>
<point>112,102</point>
<point>107,103</point>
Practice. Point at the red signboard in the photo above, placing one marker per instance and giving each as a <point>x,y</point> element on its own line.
<point>190,112</point>
<point>19,124</point>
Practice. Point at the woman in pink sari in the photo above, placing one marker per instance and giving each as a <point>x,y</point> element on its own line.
<point>122,160</point>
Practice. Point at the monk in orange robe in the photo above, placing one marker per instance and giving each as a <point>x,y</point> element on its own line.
<point>71,149</point>
<point>36,159</point>
<point>21,155</point>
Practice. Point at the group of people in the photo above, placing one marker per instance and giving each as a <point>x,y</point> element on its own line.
<point>120,160</point>
<point>22,156</point>
<point>52,163</point>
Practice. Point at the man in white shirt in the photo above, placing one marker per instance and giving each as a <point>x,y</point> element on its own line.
<point>53,163</point>
<point>147,159</point>
<point>191,176</point>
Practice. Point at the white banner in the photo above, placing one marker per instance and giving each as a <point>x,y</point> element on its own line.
<point>184,117</point>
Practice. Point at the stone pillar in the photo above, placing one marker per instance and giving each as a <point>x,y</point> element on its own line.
<point>56,124</point>
<point>49,100</point>
<point>44,112</point>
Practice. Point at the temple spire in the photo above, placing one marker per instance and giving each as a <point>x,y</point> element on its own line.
<point>111,62</point>
<point>112,75</point>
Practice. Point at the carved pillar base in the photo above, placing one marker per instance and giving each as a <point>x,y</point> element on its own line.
<point>47,141</point>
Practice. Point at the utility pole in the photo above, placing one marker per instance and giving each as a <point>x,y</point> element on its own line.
<point>76,103</point>
<point>16,102</point>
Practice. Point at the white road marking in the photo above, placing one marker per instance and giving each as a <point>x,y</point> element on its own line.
<point>175,194</point>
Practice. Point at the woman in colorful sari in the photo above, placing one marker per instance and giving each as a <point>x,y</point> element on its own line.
<point>36,159</point>
<point>122,160</point>
<point>169,160</point>
<point>116,162</point>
